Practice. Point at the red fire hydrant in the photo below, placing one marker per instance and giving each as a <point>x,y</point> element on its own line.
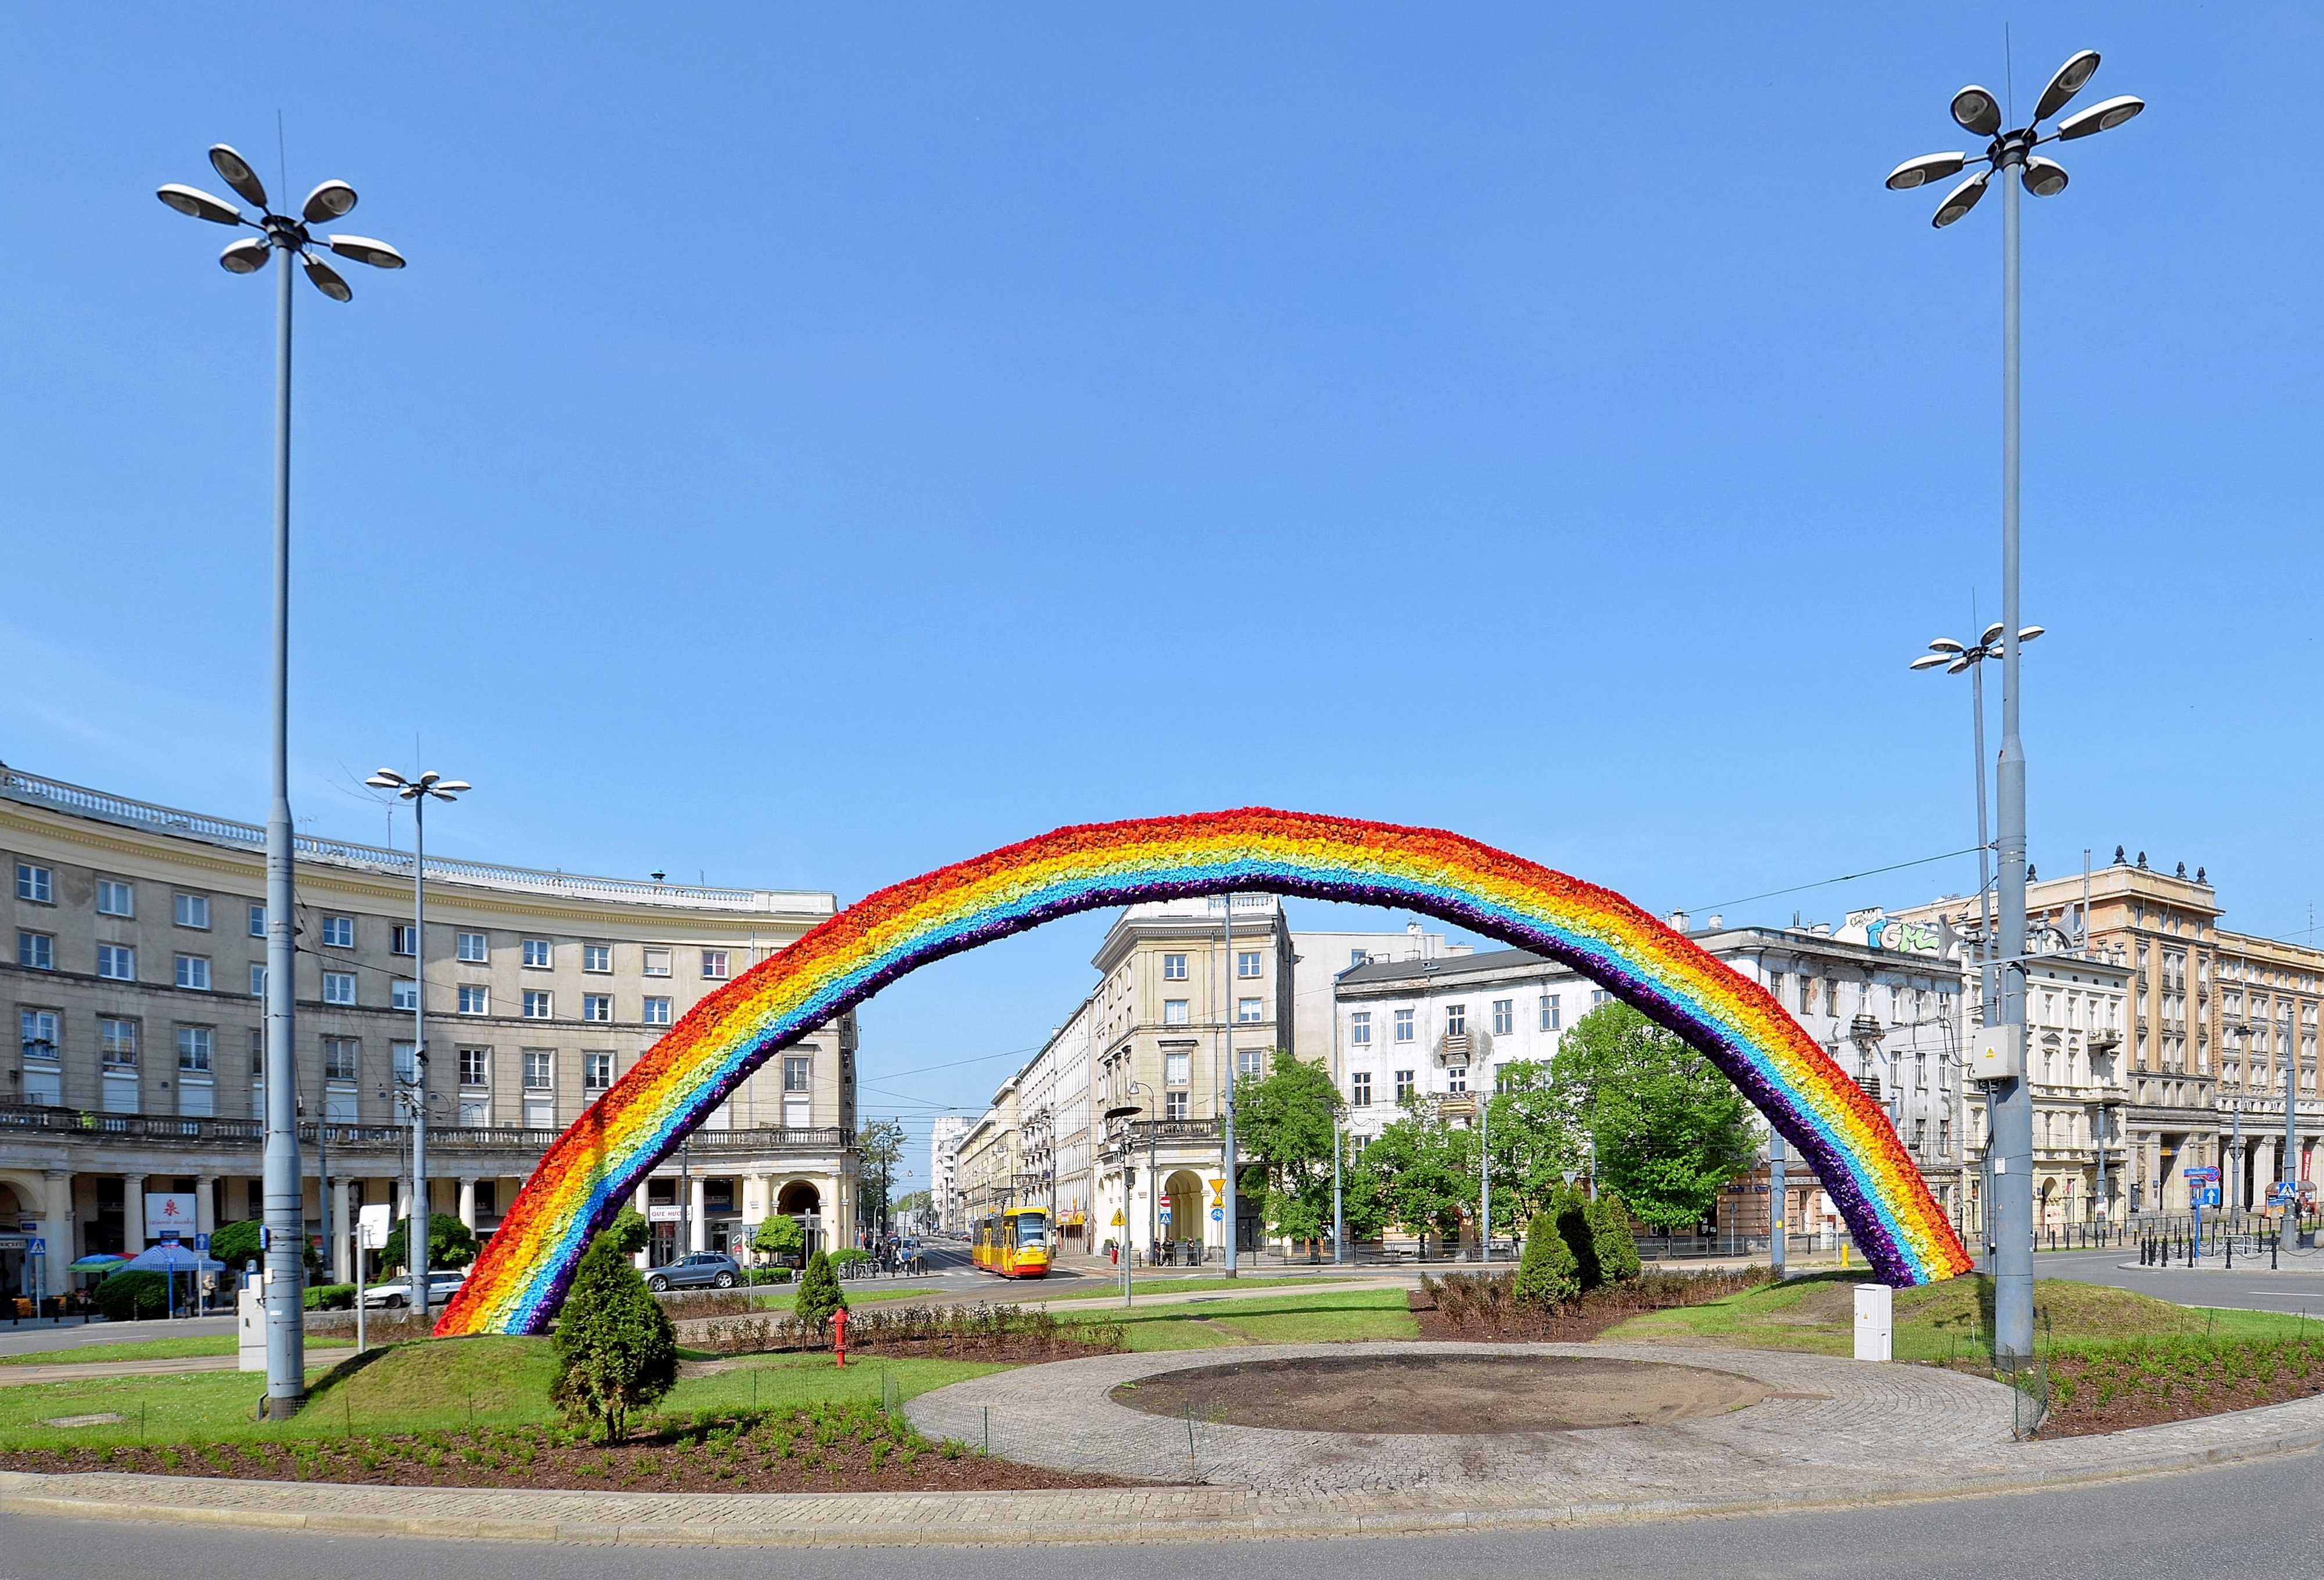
<point>839,1335</point>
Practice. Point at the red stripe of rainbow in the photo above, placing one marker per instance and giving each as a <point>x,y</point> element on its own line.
<point>596,1166</point>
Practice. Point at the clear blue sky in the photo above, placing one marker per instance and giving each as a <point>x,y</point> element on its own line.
<point>809,452</point>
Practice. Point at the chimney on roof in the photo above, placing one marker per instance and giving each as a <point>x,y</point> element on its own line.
<point>1717,920</point>
<point>1678,920</point>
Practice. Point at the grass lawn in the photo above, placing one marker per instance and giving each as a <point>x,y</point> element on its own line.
<point>437,1386</point>
<point>152,1349</point>
<point>1285,1319</point>
<point>1157,1285</point>
<point>1937,1321</point>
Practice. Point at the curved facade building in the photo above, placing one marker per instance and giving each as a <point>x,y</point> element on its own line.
<point>132,961</point>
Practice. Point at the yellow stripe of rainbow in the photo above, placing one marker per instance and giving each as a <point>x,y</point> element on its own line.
<point>595,1166</point>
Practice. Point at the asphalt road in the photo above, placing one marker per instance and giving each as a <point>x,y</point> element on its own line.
<point>2257,1290</point>
<point>2248,1520</point>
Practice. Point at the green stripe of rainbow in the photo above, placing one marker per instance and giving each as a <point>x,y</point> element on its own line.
<point>595,1167</point>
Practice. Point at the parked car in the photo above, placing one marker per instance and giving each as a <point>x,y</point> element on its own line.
<point>443,1284</point>
<point>702,1270</point>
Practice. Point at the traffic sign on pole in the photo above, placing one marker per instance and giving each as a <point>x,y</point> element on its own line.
<point>39,1246</point>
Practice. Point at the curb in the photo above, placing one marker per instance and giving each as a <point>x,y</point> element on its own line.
<point>851,1520</point>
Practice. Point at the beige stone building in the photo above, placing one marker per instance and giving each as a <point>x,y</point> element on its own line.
<point>133,967</point>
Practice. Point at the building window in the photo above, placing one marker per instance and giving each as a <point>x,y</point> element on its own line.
<point>472,948</point>
<point>1456,1020</point>
<point>338,987</point>
<point>1404,1025</point>
<point>1359,1028</point>
<point>475,1000</point>
<point>193,911</point>
<point>597,957</point>
<point>1456,1080</point>
<point>338,933</point>
<point>194,1049</point>
<point>799,1069</point>
<point>1403,1086</point>
<point>1598,996</point>
<point>476,1067</point>
<point>1177,1105</point>
<point>597,1006</point>
<point>257,980</point>
<point>1359,1090</point>
<point>540,1070</point>
<point>403,994</point>
<point>402,939</point>
<point>1247,964</point>
<point>258,921</point>
<point>1248,1063</point>
<point>1357,957</point>
<point>341,1057</point>
<point>114,898</point>
<point>407,1064</point>
<point>657,962</point>
<point>714,965</point>
<point>36,952</point>
<point>1178,1068</point>
<point>39,1030</point>
<point>1174,1012</point>
<point>36,884</point>
<point>1247,1011</point>
<point>539,954</point>
<point>117,962</point>
<point>116,1041</point>
<point>1549,1012</point>
<point>194,972</point>
<point>656,1012</point>
<point>1174,968</point>
<point>596,1071</point>
<point>539,1005</point>
<point>1505,1017</point>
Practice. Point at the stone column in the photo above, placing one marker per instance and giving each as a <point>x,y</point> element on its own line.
<point>343,1233</point>
<point>403,1197</point>
<point>133,1213</point>
<point>204,1203</point>
<point>2262,1168</point>
<point>468,1201</point>
<point>641,1199</point>
<point>697,1233</point>
<point>57,1227</point>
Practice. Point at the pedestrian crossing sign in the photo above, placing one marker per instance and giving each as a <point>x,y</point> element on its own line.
<point>1117,1220</point>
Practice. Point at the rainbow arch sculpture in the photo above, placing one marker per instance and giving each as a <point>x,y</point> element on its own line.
<point>595,1167</point>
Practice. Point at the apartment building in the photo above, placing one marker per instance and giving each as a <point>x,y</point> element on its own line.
<point>133,965</point>
<point>943,1171</point>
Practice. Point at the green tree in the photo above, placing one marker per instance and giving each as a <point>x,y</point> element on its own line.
<point>450,1243</point>
<point>881,1147</point>
<point>819,1295</point>
<point>629,1231</point>
<point>615,1350</point>
<point>235,1244</point>
<point>1610,1233</point>
<point>1547,1277</point>
<point>1425,1172</point>
<point>1285,1120</point>
<point>1533,1141</point>
<point>778,1236</point>
<point>1670,1129</point>
<point>1571,1210</point>
<point>125,1297</point>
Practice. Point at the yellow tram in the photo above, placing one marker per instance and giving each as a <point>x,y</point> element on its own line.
<point>1014,1244</point>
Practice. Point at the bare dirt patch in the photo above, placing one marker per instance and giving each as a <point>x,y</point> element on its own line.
<point>1440,1395</point>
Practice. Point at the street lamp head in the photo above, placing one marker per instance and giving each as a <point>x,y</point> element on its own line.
<point>366,250</point>
<point>1976,111</point>
<point>1992,635</point>
<point>2102,117</point>
<point>429,778</point>
<point>331,200</point>
<point>385,778</point>
<point>1960,664</point>
<point>2027,633</point>
<point>455,784</point>
<point>2066,84</point>
<point>246,256</point>
<point>1945,645</point>
<point>2044,178</point>
<point>326,278</point>
<point>1921,171</point>
<point>1931,660</point>
<point>1960,199</point>
<point>234,171</point>
<point>196,204</point>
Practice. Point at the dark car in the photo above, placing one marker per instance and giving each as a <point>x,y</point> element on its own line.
<point>702,1270</point>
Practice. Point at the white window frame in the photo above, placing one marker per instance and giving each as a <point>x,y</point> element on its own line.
<point>478,1061</point>
<point>338,933</point>
<point>1359,1028</point>
<point>1406,1084</point>
<point>197,1049</point>
<point>1249,966</point>
<point>598,959</point>
<point>1456,1020</point>
<point>1360,1088</point>
<point>1175,1012</point>
<point>353,1048</point>
<point>192,973</point>
<point>339,987</point>
<point>475,998</point>
<point>658,1011</point>
<point>538,1005</point>
<point>36,952</point>
<point>110,1046</point>
<point>112,889</point>
<point>544,1061</point>
<point>36,884</point>
<point>42,1026</point>
<point>1404,1029</point>
<point>799,1073</point>
<point>597,1007</point>
<point>1178,1068</point>
<point>597,1070</point>
<point>715,964</point>
<point>183,906</point>
<point>400,941</point>
<point>257,921</point>
<point>539,954</point>
<point>257,979</point>
<point>1174,968</point>
<point>475,949</point>
<point>1504,1017</point>
<point>658,958</point>
<point>109,955</point>
<point>1249,1012</point>
<point>403,993</point>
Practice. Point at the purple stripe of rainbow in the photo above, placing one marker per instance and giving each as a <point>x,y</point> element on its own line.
<point>595,1166</point>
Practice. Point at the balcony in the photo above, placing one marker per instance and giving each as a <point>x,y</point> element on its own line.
<point>1144,1132</point>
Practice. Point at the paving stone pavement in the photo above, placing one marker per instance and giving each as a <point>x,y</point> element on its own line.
<point>1879,1434</point>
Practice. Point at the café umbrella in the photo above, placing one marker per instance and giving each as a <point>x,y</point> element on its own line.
<point>173,1259</point>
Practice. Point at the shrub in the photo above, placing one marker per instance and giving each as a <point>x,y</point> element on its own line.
<point>450,1243</point>
<point>768,1275</point>
<point>1546,1275</point>
<point>125,1297</point>
<point>1574,1227</point>
<point>629,1231</point>
<point>330,1297</point>
<point>850,1257</point>
<point>235,1244</point>
<point>778,1236</point>
<point>615,1351</point>
<point>818,1296</point>
<point>1610,1232</point>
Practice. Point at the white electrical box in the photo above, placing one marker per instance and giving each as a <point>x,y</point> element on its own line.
<point>249,1314</point>
<point>1997,1053</point>
<point>1874,1321</point>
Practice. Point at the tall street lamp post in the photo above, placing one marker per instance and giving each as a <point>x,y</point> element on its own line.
<point>285,1215</point>
<point>2009,154</point>
<point>419,792</point>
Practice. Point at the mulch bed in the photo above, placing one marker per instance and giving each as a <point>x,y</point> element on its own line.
<point>854,1451</point>
<point>2129,1385</point>
<point>1478,1307</point>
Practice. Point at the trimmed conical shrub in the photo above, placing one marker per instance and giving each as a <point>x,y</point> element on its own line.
<point>819,1295</point>
<point>615,1351</point>
<point>1547,1277</point>
<point>1609,1234</point>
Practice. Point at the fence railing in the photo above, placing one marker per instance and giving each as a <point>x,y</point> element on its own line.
<point>83,1125</point>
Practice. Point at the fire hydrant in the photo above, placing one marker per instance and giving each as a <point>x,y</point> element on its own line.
<point>839,1335</point>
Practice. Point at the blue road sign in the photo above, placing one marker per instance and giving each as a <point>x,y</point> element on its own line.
<point>168,1236</point>
<point>1218,1215</point>
<point>2211,1197</point>
<point>201,1242</point>
<point>38,1247</point>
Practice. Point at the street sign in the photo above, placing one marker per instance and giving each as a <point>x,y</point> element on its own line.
<point>657,1213</point>
<point>1163,1212</point>
<point>372,1227</point>
<point>1218,1215</point>
<point>1218,1186</point>
<point>201,1242</point>
<point>168,1236</point>
<point>39,1246</point>
<point>2211,1196</point>
<point>2208,1175</point>
<point>1117,1220</point>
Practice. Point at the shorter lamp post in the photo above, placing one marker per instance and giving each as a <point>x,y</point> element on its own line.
<point>1124,1113</point>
